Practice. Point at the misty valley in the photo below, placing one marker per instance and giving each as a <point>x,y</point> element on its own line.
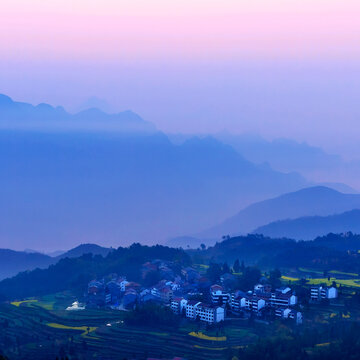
<point>121,241</point>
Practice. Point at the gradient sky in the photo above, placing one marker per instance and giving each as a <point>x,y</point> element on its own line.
<point>277,67</point>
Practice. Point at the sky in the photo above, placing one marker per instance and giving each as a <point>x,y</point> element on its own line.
<point>280,68</point>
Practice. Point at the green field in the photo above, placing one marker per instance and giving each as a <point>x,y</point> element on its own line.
<point>315,277</point>
<point>42,329</point>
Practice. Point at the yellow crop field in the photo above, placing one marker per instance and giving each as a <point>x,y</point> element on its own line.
<point>18,303</point>
<point>289,278</point>
<point>66,327</point>
<point>202,336</point>
<point>348,282</point>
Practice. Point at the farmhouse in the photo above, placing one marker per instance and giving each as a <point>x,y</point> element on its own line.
<point>218,296</point>
<point>318,293</point>
<point>178,305</point>
<point>288,313</point>
<point>204,312</point>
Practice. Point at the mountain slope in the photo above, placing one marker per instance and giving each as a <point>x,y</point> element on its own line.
<point>12,262</point>
<point>309,227</point>
<point>318,200</point>
<point>84,249</point>
<point>323,253</point>
<point>111,188</point>
<point>75,273</point>
<point>288,155</point>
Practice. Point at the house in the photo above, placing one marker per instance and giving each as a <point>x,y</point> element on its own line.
<point>113,292</point>
<point>95,287</point>
<point>166,294</point>
<point>96,296</point>
<point>163,290</point>
<point>318,293</point>
<point>260,288</point>
<point>150,298</point>
<point>191,309</point>
<point>75,306</point>
<point>132,285</point>
<point>122,282</point>
<point>204,312</point>
<point>283,297</point>
<point>210,313</point>
<point>261,297</point>
<point>130,299</point>
<point>238,301</point>
<point>218,296</point>
<point>254,303</point>
<point>178,305</point>
<point>288,313</point>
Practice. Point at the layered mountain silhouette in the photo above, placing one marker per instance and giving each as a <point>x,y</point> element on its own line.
<point>114,189</point>
<point>288,155</point>
<point>309,227</point>
<point>312,201</point>
<point>13,262</point>
<point>19,115</point>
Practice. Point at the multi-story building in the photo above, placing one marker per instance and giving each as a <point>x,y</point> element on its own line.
<point>163,290</point>
<point>178,304</point>
<point>210,313</point>
<point>204,312</point>
<point>282,297</point>
<point>318,293</point>
<point>261,297</point>
<point>238,301</point>
<point>166,294</point>
<point>191,309</point>
<point>218,296</point>
<point>288,313</point>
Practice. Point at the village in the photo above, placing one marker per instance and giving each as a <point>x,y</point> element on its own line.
<point>190,294</point>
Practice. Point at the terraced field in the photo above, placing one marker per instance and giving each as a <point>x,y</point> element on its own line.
<point>37,330</point>
<point>314,277</point>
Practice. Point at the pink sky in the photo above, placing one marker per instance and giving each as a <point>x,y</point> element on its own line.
<point>275,67</point>
<point>114,30</point>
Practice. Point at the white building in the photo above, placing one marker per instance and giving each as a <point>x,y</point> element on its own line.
<point>122,283</point>
<point>322,292</point>
<point>178,304</point>
<point>262,297</point>
<point>75,306</point>
<point>218,296</point>
<point>288,313</point>
<point>247,301</point>
<point>208,313</point>
<point>283,297</point>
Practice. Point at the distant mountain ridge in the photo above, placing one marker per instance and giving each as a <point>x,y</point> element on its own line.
<point>309,227</point>
<point>317,200</point>
<point>113,188</point>
<point>13,262</point>
<point>20,115</point>
<point>287,155</point>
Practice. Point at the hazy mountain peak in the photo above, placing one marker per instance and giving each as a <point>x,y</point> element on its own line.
<point>310,201</point>
<point>5,100</point>
<point>20,116</point>
<point>309,227</point>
